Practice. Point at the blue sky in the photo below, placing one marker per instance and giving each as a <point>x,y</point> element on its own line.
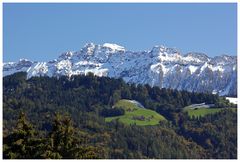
<point>42,32</point>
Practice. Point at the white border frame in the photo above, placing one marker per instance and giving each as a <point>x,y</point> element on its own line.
<point>112,1</point>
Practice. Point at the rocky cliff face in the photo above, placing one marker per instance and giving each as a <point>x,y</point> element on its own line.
<point>161,66</point>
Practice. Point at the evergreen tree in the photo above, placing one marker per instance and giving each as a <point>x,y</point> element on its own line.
<point>63,142</point>
<point>22,143</point>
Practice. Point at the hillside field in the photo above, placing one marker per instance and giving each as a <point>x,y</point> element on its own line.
<point>136,115</point>
<point>199,112</point>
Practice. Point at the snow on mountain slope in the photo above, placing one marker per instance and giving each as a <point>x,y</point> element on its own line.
<point>232,100</point>
<point>114,47</point>
<point>161,66</point>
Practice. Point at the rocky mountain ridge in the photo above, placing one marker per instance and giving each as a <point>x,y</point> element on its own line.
<point>160,66</point>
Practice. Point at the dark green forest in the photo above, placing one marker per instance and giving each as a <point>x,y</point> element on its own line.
<point>63,118</point>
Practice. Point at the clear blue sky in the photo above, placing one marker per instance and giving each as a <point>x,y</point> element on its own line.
<point>41,32</point>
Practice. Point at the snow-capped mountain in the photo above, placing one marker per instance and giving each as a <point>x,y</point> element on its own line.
<point>160,66</point>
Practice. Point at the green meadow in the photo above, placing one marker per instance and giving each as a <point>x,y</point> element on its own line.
<point>200,112</point>
<point>136,115</point>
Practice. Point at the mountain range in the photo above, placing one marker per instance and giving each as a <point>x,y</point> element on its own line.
<point>161,66</point>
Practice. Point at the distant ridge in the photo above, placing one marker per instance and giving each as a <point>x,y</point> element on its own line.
<point>160,66</point>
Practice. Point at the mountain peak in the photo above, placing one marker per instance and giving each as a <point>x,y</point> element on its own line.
<point>90,44</point>
<point>162,66</point>
<point>24,60</point>
<point>113,47</point>
<point>90,48</point>
<point>66,55</point>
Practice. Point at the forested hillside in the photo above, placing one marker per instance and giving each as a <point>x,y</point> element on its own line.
<point>49,117</point>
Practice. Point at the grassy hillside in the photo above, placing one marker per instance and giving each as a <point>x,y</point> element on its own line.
<point>136,115</point>
<point>204,111</point>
